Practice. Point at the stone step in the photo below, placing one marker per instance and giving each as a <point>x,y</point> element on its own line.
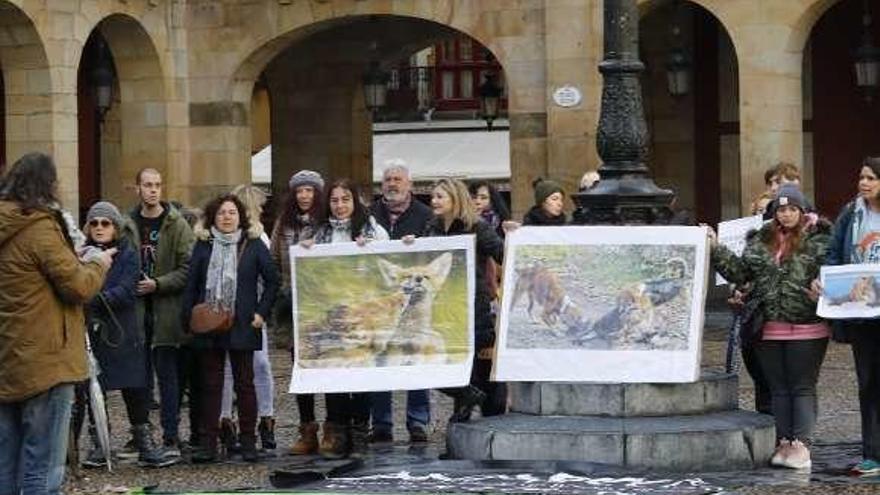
<point>725,440</point>
<point>715,391</point>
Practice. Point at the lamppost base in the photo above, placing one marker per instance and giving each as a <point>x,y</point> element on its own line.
<point>624,201</point>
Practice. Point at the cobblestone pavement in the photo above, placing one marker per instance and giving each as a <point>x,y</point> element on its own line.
<point>837,445</point>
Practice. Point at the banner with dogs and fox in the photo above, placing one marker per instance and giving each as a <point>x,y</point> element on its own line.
<point>383,316</point>
<point>602,304</point>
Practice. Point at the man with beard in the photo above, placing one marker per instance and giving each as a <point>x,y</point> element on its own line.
<point>400,214</point>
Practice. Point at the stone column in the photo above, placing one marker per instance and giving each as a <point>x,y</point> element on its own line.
<point>771,107</point>
<point>573,41</point>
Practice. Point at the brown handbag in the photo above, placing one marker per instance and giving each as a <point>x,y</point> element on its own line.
<point>206,318</point>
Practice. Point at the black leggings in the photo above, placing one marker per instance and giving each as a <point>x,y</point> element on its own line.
<point>306,405</point>
<point>348,408</point>
<point>792,370</point>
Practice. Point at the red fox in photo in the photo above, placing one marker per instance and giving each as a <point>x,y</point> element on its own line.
<point>392,330</point>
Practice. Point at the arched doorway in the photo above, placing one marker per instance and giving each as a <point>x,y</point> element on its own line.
<point>694,134</point>
<point>841,122</point>
<point>26,85</point>
<point>128,132</point>
<point>319,117</point>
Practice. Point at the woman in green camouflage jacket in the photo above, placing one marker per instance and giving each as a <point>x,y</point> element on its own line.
<point>781,260</point>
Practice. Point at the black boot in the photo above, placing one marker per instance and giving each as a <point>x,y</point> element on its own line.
<point>267,432</point>
<point>149,454</point>
<point>358,434</point>
<point>465,399</point>
<point>95,457</point>
<point>229,437</point>
<point>249,447</point>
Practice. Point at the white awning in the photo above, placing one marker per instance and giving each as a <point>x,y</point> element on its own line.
<point>261,166</point>
<point>429,156</point>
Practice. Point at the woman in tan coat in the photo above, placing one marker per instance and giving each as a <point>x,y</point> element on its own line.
<point>43,285</point>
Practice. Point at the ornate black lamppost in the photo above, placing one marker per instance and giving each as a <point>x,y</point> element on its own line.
<point>626,194</point>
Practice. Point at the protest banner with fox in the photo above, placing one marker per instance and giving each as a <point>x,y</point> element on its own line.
<point>384,316</point>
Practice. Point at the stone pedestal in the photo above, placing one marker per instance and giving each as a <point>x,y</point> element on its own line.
<point>670,427</point>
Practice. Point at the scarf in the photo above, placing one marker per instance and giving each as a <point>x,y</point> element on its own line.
<point>397,208</point>
<point>306,229</point>
<point>222,277</point>
<point>491,218</point>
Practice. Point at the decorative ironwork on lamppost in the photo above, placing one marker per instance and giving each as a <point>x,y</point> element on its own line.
<point>626,194</point>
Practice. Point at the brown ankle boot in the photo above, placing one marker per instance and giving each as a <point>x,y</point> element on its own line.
<point>334,441</point>
<point>308,440</point>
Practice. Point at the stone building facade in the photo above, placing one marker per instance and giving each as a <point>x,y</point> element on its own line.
<point>186,71</point>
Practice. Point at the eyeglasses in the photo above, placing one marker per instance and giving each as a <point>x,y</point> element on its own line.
<point>102,223</point>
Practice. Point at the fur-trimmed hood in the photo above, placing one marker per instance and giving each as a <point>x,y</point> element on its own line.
<point>816,226</point>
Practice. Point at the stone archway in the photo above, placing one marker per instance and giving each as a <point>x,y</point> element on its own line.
<point>27,85</point>
<point>841,125</point>
<point>134,132</point>
<point>694,136</point>
<point>515,34</point>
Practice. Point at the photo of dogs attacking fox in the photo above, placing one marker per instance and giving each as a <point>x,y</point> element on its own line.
<point>634,297</point>
<point>379,310</point>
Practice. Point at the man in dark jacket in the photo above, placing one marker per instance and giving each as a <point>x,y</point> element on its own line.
<point>165,241</point>
<point>400,214</point>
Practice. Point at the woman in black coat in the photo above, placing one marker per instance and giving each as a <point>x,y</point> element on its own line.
<point>116,338</point>
<point>454,215</point>
<point>549,202</point>
<point>224,271</point>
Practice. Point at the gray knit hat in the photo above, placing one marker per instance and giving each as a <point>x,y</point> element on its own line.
<point>788,195</point>
<point>306,178</point>
<point>105,209</point>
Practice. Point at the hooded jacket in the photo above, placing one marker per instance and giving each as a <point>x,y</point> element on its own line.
<point>176,241</point>
<point>43,286</point>
<point>781,285</point>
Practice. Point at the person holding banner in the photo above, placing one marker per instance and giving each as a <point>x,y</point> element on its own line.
<point>454,215</point>
<point>857,240</point>
<point>225,271</point>
<point>348,414</point>
<point>780,261</point>
<point>303,209</point>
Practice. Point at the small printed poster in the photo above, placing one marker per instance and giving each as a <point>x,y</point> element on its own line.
<point>732,234</point>
<point>850,291</point>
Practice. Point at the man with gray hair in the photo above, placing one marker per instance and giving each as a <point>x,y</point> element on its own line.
<point>400,214</point>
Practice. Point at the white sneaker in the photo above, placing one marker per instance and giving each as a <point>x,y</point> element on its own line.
<point>798,456</point>
<point>781,452</point>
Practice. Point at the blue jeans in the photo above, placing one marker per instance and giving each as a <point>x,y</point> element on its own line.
<point>418,409</point>
<point>33,436</point>
<point>166,361</point>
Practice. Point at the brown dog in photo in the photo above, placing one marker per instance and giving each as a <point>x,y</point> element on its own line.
<point>544,290</point>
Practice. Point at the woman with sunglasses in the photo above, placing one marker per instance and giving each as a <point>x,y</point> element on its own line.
<point>116,339</point>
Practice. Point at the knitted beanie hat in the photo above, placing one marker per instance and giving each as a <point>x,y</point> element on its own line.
<point>544,188</point>
<point>306,178</point>
<point>105,209</point>
<point>788,195</point>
